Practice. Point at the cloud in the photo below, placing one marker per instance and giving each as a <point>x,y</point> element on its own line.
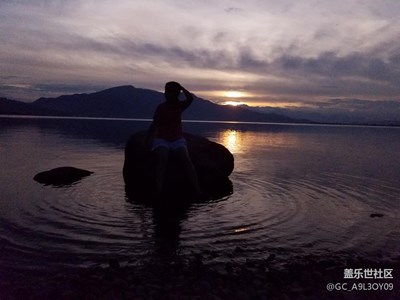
<point>275,50</point>
<point>355,64</point>
<point>51,89</point>
<point>357,74</point>
<point>233,9</point>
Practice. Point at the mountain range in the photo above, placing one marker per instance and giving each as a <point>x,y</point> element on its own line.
<point>135,103</point>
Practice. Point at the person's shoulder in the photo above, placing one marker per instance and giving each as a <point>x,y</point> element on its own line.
<point>161,105</point>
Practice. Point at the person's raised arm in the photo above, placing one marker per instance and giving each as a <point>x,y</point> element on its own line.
<point>189,98</point>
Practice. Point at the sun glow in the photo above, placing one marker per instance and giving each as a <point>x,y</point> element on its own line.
<point>233,103</point>
<point>249,98</point>
<point>233,94</point>
<point>232,97</point>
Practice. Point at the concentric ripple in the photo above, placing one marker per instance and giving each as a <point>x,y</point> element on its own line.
<point>91,221</point>
<point>81,224</point>
<point>303,215</point>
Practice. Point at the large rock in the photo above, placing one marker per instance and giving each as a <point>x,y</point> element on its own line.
<point>61,176</point>
<point>213,163</point>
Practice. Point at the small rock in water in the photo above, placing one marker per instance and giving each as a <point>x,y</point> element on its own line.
<point>376,215</point>
<point>61,176</point>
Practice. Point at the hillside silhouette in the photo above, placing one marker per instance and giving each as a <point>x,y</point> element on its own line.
<point>130,102</point>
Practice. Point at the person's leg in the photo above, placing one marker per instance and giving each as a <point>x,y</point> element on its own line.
<point>161,167</point>
<point>183,156</point>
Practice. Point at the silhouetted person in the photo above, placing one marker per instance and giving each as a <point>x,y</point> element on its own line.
<point>167,136</point>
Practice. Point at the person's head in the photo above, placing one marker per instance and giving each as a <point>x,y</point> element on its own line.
<point>172,91</point>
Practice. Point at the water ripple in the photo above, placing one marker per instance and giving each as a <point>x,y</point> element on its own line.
<point>331,211</point>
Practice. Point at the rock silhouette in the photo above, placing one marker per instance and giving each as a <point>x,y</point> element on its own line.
<point>61,176</point>
<point>213,163</point>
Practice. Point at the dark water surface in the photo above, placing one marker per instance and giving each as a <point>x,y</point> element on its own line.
<point>298,190</point>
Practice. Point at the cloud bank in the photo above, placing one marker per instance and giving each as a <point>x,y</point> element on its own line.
<point>293,52</point>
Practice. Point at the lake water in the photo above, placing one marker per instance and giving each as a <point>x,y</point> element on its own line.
<point>298,190</point>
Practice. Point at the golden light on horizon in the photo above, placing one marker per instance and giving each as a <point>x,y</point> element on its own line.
<point>228,94</point>
<point>234,94</point>
<point>233,103</point>
<point>250,98</point>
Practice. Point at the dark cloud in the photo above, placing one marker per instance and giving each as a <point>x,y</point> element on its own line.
<point>68,88</point>
<point>328,74</point>
<point>260,48</point>
<point>130,49</point>
<point>364,105</point>
<point>357,74</point>
<point>331,65</point>
<point>11,77</point>
<point>233,9</point>
<point>248,61</point>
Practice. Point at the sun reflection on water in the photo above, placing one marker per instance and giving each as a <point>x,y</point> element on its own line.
<point>232,140</point>
<point>242,141</point>
<point>242,229</point>
<point>243,145</point>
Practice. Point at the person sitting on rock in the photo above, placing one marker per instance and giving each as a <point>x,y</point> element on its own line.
<point>166,135</point>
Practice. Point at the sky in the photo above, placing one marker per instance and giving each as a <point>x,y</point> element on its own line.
<point>286,53</point>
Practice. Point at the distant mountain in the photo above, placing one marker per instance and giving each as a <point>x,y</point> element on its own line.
<point>117,102</point>
<point>131,102</point>
<point>367,112</point>
<point>12,107</point>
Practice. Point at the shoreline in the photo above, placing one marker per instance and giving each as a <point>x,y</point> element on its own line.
<point>310,123</point>
<point>180,278</point>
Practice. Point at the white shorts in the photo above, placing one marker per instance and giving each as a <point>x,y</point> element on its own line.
<point>174,145</point>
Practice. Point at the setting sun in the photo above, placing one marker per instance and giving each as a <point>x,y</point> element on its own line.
<point>233,94</point>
